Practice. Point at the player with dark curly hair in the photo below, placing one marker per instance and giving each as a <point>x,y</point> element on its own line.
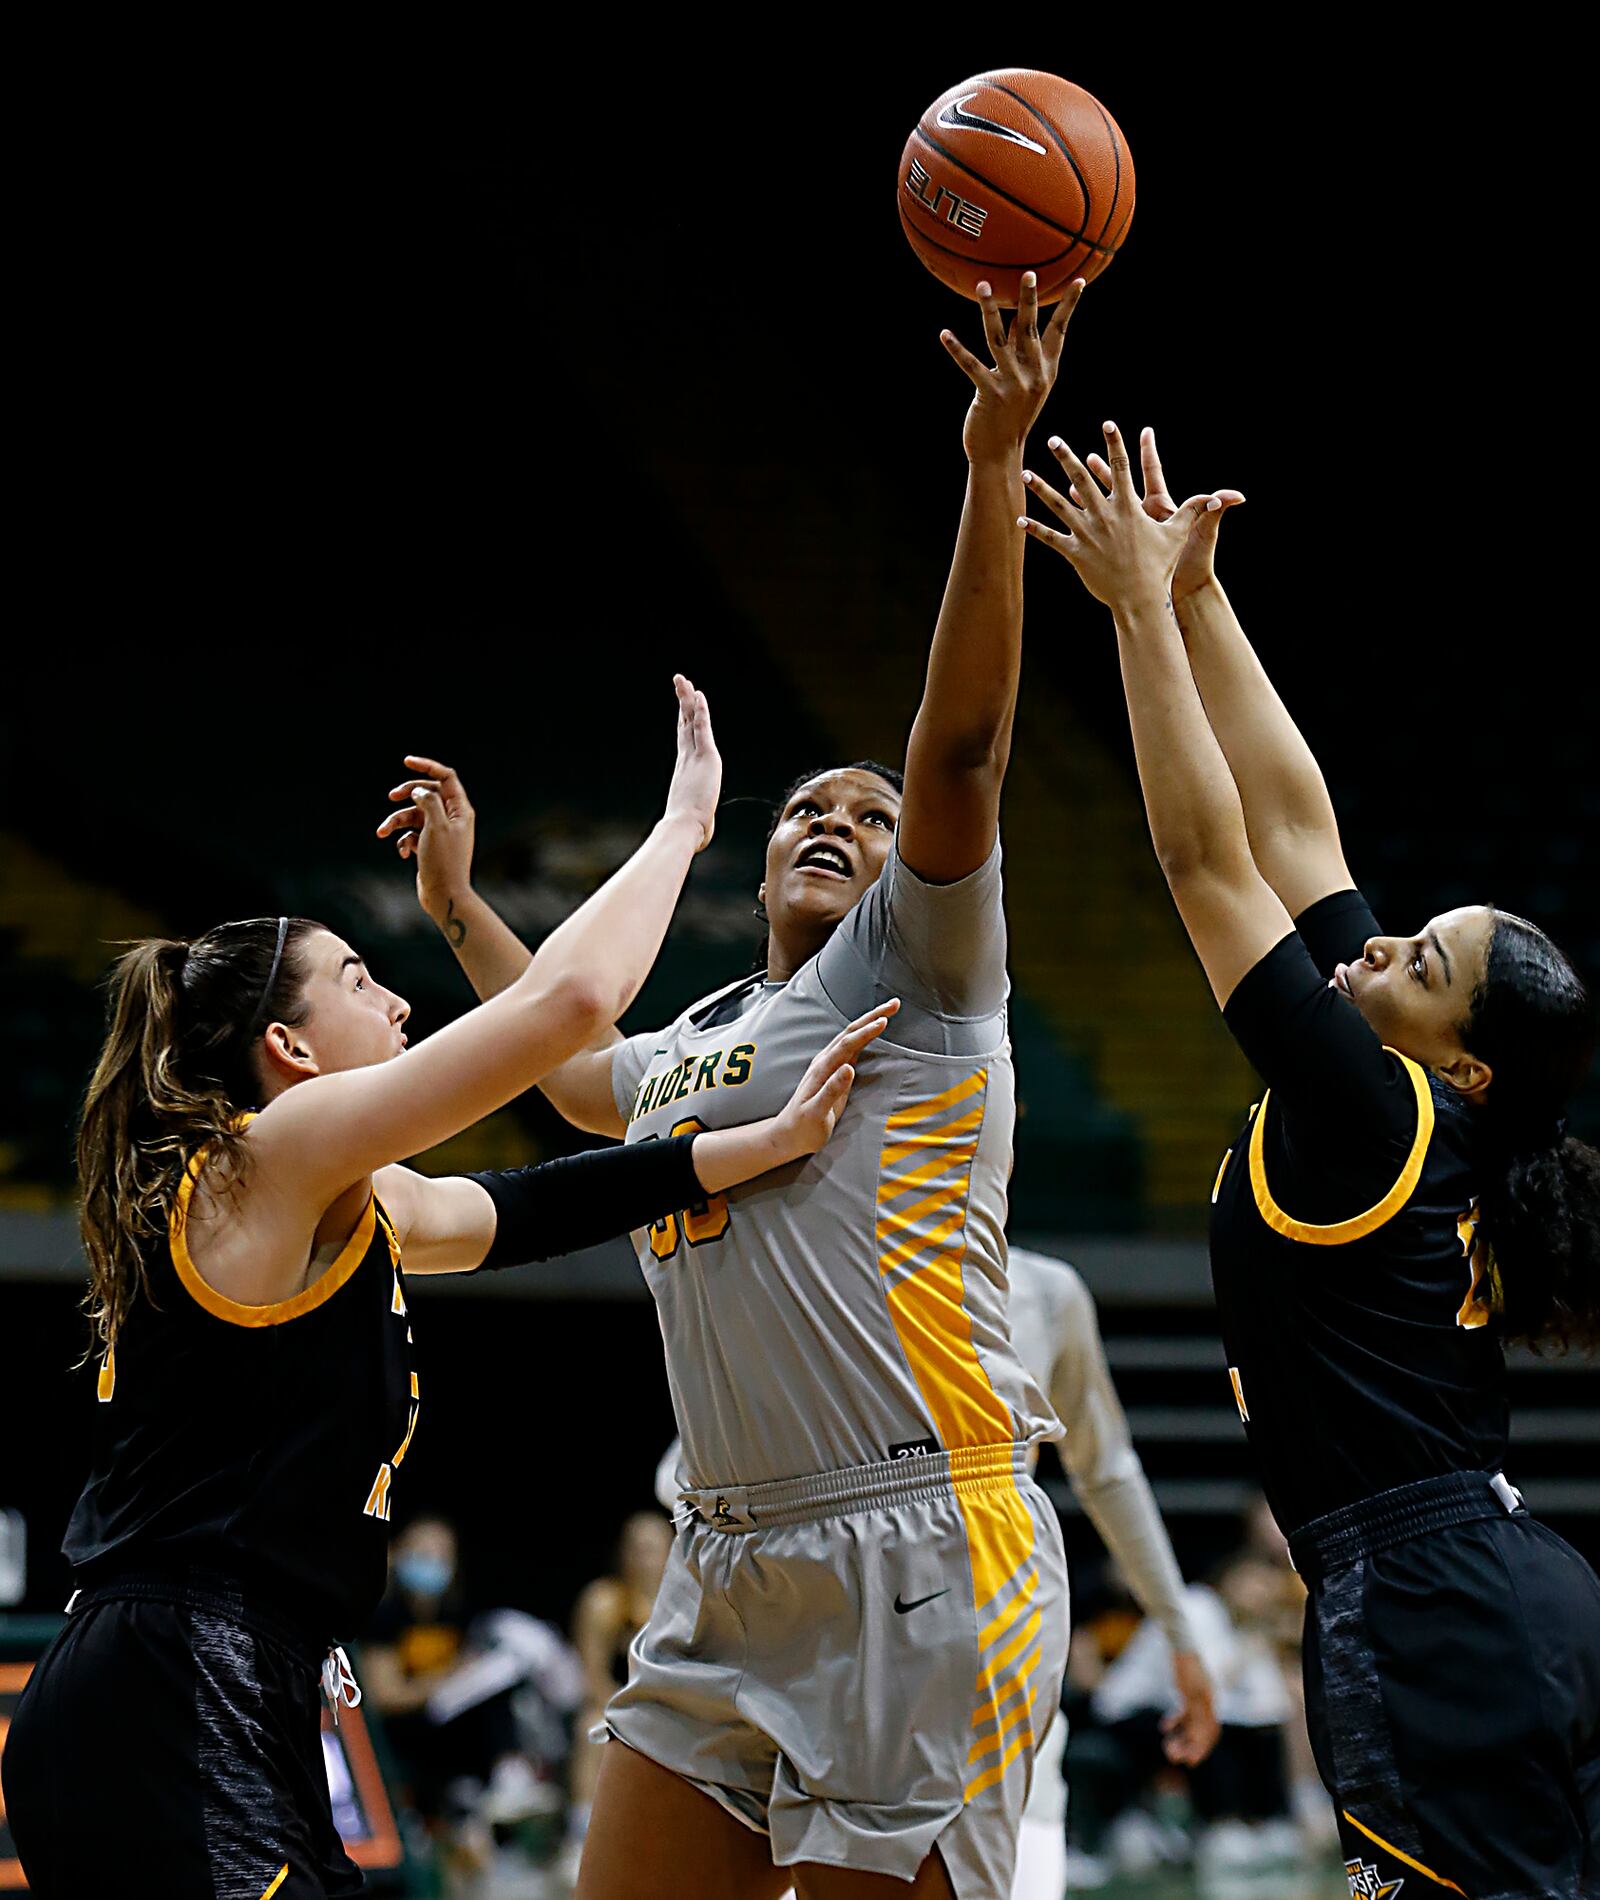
<point>1404,1198</point>
<point>250,1227</point>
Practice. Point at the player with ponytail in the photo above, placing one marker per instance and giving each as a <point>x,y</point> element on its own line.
<point>249,1229</point>
<point>1403,1199</point>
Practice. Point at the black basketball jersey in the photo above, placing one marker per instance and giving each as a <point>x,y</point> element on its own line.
<point>261,1442</point>
<point>1352,1286</point>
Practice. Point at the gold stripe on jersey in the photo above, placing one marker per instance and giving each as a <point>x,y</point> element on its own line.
<point>1338,1233</point>
<point>106,1383</point>
<point>940,1138</point>
<point>925,1178</point>
<point>919,1112</point>
<point>278,1311</point>
<point>906,1218</point>
<point>896,1185</point>
<point>277,1881</point>
<point>920,1241</point>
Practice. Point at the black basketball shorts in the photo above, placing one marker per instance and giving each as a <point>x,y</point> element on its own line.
<point>1453,1698</point>
<point>162,1747</point>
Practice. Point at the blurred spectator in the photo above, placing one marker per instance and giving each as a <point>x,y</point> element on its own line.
<point>1239,1795</point>
<point>475,1710</point>
<point>610,1612</point>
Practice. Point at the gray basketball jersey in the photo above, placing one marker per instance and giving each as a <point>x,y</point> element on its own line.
<point>849,1308</point>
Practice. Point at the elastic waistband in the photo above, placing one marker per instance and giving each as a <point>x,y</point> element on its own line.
<point>214,1593</point>
<point>919,1475</point>
<point>1361,1530</point>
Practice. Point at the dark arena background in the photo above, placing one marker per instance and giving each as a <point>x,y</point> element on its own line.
<point>415,412</point>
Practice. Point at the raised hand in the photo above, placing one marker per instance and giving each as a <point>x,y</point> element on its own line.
<point>1009,394</point>
<point>435,825</point>
<point>805,1124</point>
<point>1121,551</point>
<point>697,776</point>
<point>1197,563</point>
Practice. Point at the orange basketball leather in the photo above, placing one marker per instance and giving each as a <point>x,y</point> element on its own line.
<point>1015,171</point>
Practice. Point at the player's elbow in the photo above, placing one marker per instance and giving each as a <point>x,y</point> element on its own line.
<point>972,745</point>
<point>1195,863</point>
<point>1187,855</point>
<point>581,1005</point>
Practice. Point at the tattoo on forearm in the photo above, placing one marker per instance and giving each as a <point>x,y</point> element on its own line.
<point>455,928</point>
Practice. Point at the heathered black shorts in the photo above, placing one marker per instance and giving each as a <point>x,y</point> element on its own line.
<point>1453,1698</point>
<point>165,1747</point>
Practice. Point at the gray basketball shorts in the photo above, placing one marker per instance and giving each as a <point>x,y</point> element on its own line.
<point>861,1664</point>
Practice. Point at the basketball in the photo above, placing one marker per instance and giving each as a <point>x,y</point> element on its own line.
<point>1016,171</point>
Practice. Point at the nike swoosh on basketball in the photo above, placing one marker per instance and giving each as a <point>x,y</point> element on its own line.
<point>917,1602</point>
<point>958,120</point>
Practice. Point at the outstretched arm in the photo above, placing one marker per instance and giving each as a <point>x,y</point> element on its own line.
<point>1126,560</point>
<point>456,1223</point>
<point>961,738</point>
<point>1294,835</point>
<point>438,834</point>
<point>332,1131</point>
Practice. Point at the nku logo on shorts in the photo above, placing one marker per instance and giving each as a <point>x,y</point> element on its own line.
<point>1366,1883</point>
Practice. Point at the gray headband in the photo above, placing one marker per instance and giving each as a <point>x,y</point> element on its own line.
<point>272,975</point>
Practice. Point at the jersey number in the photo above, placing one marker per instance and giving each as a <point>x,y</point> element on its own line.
<point>706,1220</point>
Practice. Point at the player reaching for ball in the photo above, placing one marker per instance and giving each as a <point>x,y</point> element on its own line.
<point>1404,1198</point>
<point>862,1630</point>
<point>245,1217</point>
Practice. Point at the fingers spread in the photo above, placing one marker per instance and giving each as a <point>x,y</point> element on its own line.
<point>980,373</point>
<point>1100,468</point>
<point>1121,466</point>
<point>1056,330</point>
<point>855,1036</point>
<point>885,1010</point>
<point>1056,503</point>
<point>1079,474</point>
<point>406,820</point>
<point>1150,464</point>
<point>1026,325</point>
<point>994,327</point>
<point>855,1040</point>
<point>1052,537</point>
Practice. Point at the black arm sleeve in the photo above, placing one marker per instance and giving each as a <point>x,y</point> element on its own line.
<point>1335,929</point>
<point>1315,1050</point>
<point>582,1199</point>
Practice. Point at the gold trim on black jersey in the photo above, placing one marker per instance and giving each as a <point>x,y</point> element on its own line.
<point>1358,1226</point>
<point>219,1305</point>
